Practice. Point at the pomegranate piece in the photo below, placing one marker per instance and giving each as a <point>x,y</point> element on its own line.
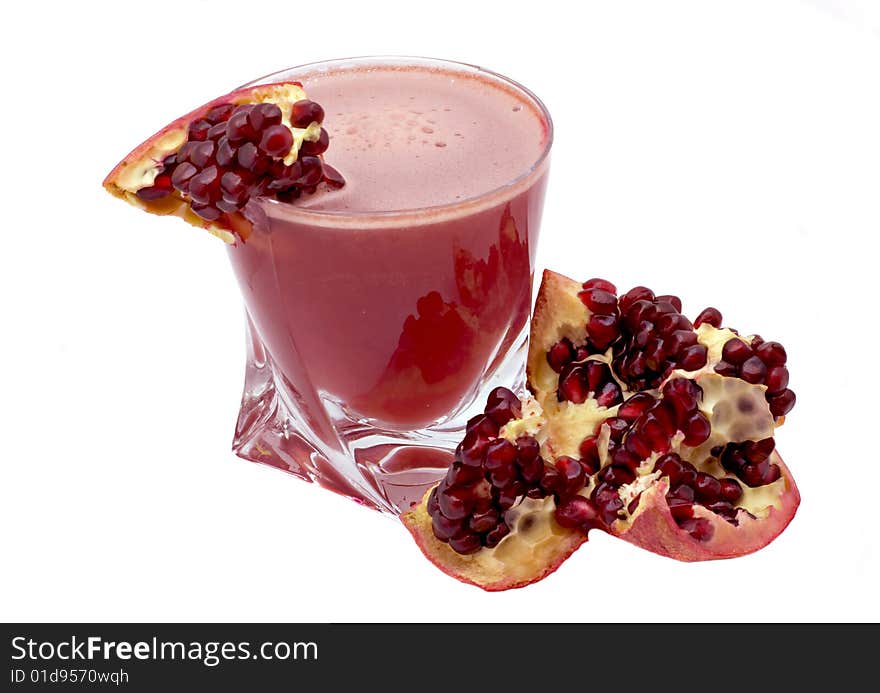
<point>645,425</point>
<point>265,141</point>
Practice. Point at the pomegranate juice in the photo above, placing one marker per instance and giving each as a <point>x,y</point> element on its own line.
<point>393,302</point>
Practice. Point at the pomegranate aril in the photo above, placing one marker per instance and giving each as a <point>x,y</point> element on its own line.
<point>305,112</point>
<point>198,130</point>
<point>709,316</point>
<point>263,116</point>
<point>444,528</point>
<point>635,406</point>
<point>638,446</point>
<point>672,322</point>
<point>502,405</point>
<point>776,379</point>
<point>220,114</point>
<point>725,509</point>
<point>693,358</point>
<point>550,480</point>
<point>217,131</point>
<point>455,503</point>
<point>697,430</point>
<point>735,351</point>
<point>204,187</point>
<point>758,451</point>
<point>577,511</point>
<point>226,153</point>
<point>466,543</point>
<point>181,175</point>
<point>771,353</point>
<point>617,475</point>
<point>617,427</point>
<point>680,340</point>
<point>599,301</point>
<point>560,355</point>
<point>202,155</point>
<point>683,394</point>
<point>251,159</point>
<point>602,330</point>
<point>238,129</point>
<point>494,537</point>
<point>725,368</point>
<point>781,403</point>
<point>609,395</point>
<point>674,300</point>
<point>313,170</point>
<point>607,502</point>
<point>572,385</point>
<point>507,496</point>
<point>730,490</point>
<point>637,293</point>
<point>571,476</point>
<point>500,454</point>
<point>317,147</point>
<point>228,206</point>
<point>332,177</point>
<point>596,283</point>
<point>589,449</point>
<point>276,141</point>
<point>753,370</point>
<point>208,212</point>
<point>708,488</point>
<point>485,521</point>
<point>161,187</point>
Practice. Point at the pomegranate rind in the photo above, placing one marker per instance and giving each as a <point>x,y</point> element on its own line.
<point>652,526</point>
<point>138,168</point>
<point>494,570</point>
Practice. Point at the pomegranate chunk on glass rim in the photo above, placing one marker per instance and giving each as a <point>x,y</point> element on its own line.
<point>638,422</point>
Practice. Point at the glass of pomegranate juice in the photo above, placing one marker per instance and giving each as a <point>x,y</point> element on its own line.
<point>380,314</point>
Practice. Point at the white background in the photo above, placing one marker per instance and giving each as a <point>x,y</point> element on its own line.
<point>725,151</point>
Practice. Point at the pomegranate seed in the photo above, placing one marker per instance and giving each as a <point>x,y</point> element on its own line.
<point>638,312</point>
<point>560,355</point>
<point>753,370</point>
<point>635,406</point>
<point>226,153</point>
<point>725,368</point>
<point>637,293</point>
<point>444,528</point>
<point>599,301</point>
<point>683,394</point>
<point>670,465</point>
<point>466,543</point>
<point>680,340</point>
<point>500,454</point>
<point>230,206</point>
<point>572,385</point>
<point>317,147</point>
<point>617,475</point>
<point>781,403</point>
<point>550,480</point>
<point>602,330</point>
<point>696,430</point>
<point>617,427</point>
<point>263,116</point>
<point>590,466</point>
<point>735,351</point>
<point>217,131</point>
<point>693,358</point>
<point>609,395</point>
<point>607,501</point>
<point>204,187</point>
<point>238,129</point>
<point>494,537</point>
<point>674,300</point>
<point>202,154</point>
<point>304,113</point>
<point>589,450</point>
<point>508,495</point>
<point>198,130</point>
<point>571,476</point>
<point>313,170</point>
<point>603,284</point>
<point>776,380</point>
<point>459,474</point>
<point>672,322</point>
<point>577,511</point>
<point>527,449</point>
<point>485,521</point>
<point>710,316</point>
<point>502,405</point>
<point>772,353</point>
<point>182,173</point>
<point>332,177</point>
<point>220,114</point>
<point>708,488</point>
<point>730,490</point>
<point>637,445</point>
<point>455,503</point>
<point>725,509</point>
<point>161,187</point>
<point>758,451</point>
<point>206,211</point>
<point>234,186</point>
<point>276,141</point>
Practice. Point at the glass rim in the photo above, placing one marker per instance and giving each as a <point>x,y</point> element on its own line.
<point>480,200</point>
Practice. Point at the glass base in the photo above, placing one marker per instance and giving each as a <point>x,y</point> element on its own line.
<point>313,437</point>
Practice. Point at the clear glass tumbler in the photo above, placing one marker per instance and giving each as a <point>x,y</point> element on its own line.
<point>373,336</point>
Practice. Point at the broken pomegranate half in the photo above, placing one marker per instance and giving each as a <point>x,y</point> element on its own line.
<point>263,141</point>
<point>638,422</point>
